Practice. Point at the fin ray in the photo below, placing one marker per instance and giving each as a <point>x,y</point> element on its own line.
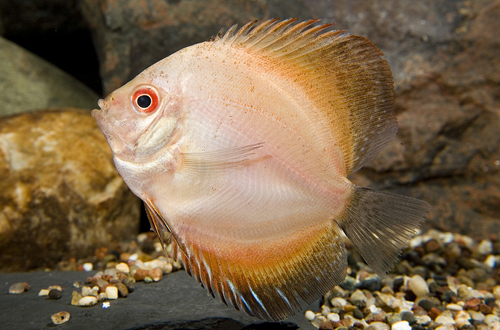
<point>219,160</point>
<point>352,84</point>
<point>380,224</point>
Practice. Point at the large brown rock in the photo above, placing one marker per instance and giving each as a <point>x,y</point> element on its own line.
<point>60,194</point>
<point>445,63</point>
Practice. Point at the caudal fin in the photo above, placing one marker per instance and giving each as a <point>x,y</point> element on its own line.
<point>380,224</point>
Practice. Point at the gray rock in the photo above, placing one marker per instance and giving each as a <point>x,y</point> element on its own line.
<point>441,54</point>
<point>177,302</point>
<point>29,83</point>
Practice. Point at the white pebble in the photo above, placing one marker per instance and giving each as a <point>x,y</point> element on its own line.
<point>446,238</point>
<point>494,325</point>
<point>88,266</point>
<point>477,316</point>
<point>401,325</point>
<point>443,319</point>
<point>334,317</point>
<point>379,326</point>
<point>446,327</point>
<point>415,242</point>
<point>490,261</point>
<point>123,267</point>
<point>88,291</point>
<point>105,304</point>
<point>490,318</point>
<point>43,292</point>
<point>87,301</point>
<point>496,292</point>
<point>461,322</point>
<point>310,315</point>
<point>358,295</point>
<point>418,285</point>
<point>454,307</point>
<point>485,247</point>
<point>423,319</point>
<point>112,292</point>
<point>133,257</point>
<point>338,302</point>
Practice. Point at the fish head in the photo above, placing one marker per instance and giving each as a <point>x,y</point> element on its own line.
<point>139,119</point>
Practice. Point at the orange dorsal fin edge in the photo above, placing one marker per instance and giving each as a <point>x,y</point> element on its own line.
<point>343,75</point>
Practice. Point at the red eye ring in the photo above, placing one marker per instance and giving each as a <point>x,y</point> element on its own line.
<point>146,99</point>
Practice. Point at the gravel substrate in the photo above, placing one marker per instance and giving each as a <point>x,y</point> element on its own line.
<point>443,281</point>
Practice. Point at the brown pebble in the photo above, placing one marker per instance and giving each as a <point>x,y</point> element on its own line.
<point>431,246</point>
<point>434,312</point>
<point>472,304</point>
<point>485,309</point>
<point>60,318</point>
<point>141,274</point>
<point>418,311</point>
<point>328,325</point>
<point>122,289</point>
<point>156,274</point>
<point>55,294</point>
<point>342,323</point>
<point>20,287</point>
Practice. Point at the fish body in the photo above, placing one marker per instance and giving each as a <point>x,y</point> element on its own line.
<point>241,146</point>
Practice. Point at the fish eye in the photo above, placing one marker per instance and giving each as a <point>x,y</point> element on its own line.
<point>146,99</point>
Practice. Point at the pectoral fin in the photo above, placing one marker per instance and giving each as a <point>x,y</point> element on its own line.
<point>215,161</point>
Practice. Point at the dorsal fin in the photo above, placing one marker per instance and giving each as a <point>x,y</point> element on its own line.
<point>343,75</point>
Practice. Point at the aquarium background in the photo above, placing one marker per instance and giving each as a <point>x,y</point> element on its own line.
<point>443,55</point>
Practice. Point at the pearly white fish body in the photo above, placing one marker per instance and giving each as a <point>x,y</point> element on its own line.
<point>241,147</point>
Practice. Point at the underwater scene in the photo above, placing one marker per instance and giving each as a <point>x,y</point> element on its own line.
<point>250,164</point>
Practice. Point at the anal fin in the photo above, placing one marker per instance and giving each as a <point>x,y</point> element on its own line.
<point>158,223</point>
<point>264,279</point>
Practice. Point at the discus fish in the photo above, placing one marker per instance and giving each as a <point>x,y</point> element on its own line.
<point>241,146</point>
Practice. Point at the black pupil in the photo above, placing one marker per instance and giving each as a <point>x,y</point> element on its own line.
<point>144,101</point>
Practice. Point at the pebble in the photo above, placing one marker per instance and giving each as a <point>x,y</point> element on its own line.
<point>55,294</point>
<point>334,317</point>
<point>88,266</point>
<point>358,298</point>
<point>87,301</point>
<point>43,293</point>
<point>401,325</point>
<point>454,307</point>
<point>418,285</point>
<point>423,319</point>
<point>407,316</point>
<point>60,318</point>
<point>156,274</point>
<point>20,287</point>
<point>75,298</point>
<point>310,315</point>
<point>122,290</point>
<point>112,292</point>
<point>378,326</point>
<point>443,319</point>
<point>477,316</point>
<point>123,267</point>
<point>485,247</point>
<point>338,302</point>
<point>490,318</point>
<point>426,304</point>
